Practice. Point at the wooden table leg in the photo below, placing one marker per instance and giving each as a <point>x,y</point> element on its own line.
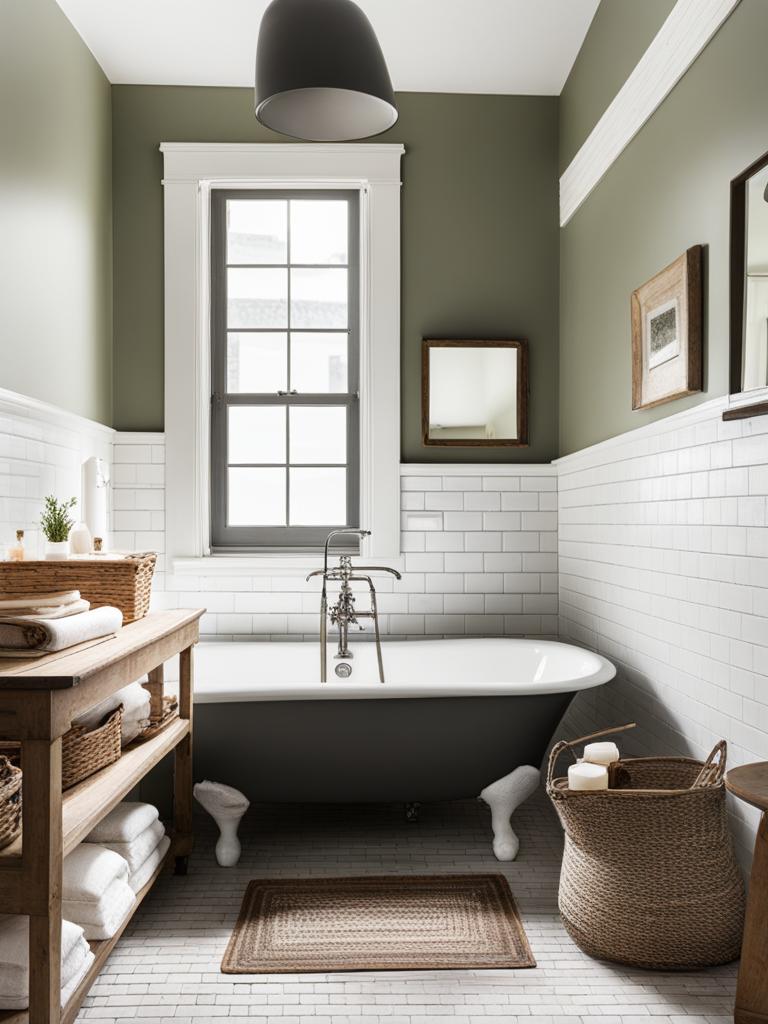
<point>752,988</point>
<point>182,777</point>
<point>42,851</point>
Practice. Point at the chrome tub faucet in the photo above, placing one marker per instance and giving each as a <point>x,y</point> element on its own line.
<point>343,613</point>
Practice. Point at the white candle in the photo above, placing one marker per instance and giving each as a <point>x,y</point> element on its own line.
<point>601,753</point>
<point>587,776</point>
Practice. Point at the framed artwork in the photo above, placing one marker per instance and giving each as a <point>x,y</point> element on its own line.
<point>667,314</point>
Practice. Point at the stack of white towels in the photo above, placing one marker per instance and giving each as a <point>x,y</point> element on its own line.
<point>136,708</point>
<point>135,832</point>
<point>76,960</point>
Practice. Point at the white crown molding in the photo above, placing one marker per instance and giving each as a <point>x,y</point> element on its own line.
<point>477,469</point>
<point>689,27</point>
<point>14,404</point>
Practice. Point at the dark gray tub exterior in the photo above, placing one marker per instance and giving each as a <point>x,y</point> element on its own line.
<point>416,749</point>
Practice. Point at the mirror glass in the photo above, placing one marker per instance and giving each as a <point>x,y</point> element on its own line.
<point>755,339</point>
<point>473,393</point>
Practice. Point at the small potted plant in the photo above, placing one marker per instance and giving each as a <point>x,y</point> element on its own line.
<point>56,524</point>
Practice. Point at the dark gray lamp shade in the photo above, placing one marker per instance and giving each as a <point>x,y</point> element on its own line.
<point>320,72</point>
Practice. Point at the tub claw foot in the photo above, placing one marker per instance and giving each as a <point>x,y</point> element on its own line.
<point>412,811</point>
<point>503,797</point>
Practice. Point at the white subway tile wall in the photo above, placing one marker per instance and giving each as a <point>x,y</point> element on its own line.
<point>663,568</point>
<point>41,452</point>
<point>473,564</point>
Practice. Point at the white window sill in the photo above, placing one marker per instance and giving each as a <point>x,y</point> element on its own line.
<point>269,564</point>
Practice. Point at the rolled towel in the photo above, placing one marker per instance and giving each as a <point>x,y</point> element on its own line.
<point>88,872</point>
<point>601,753</point>
<point>71,987</point>
<point>137,851</point>
<point>142,875</point>
<point>135,700</point>
<point>14,958</point>
<point>124,823</point>
<point>102,920</point>
<point>35,637</point>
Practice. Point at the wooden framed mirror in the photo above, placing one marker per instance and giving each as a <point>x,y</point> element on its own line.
<point>749,290</point>
<point>474,393</point>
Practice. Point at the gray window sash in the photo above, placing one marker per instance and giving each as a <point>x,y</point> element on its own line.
<point>278,538</point>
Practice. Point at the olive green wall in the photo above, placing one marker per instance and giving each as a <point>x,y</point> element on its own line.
<point>480,238</point>
<point>619,35</point>
<point>667,191</point>
<point>55,212</point>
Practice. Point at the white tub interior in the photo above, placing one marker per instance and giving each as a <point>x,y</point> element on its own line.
<point>252,671</point>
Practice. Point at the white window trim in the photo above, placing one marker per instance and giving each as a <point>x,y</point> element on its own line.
<point>191,171</point>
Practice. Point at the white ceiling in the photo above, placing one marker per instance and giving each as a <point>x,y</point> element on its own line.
<point>474,46</point>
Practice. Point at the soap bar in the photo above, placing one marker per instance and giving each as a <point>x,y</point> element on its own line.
<point>587,776</point>
<point>601,753</point>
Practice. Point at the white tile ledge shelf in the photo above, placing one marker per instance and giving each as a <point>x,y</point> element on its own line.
<point>477,469</point>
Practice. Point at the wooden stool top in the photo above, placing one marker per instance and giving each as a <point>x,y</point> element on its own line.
<point>750,783</point>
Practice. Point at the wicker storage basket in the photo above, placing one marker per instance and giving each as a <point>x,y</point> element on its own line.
<point>124,583</point>
<point>85,752</point>
<point>10,802</point>
<point>649,877</point>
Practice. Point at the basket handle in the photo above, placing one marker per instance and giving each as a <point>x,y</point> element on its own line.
<point>713,769</point>
<point>563,745</point>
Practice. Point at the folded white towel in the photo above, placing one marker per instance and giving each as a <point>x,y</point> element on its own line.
<point>69,989</point>
<point>135,700</point>
<point>14,958</point>
<point>51,599</point>
<point>124,823</point>
<point>72,963</point>
<point>60,611</point>
<point>142,875</point>
<point>137,851</point>
<point>35,637</point>
<point>101,920</point>
<point>88,872</point>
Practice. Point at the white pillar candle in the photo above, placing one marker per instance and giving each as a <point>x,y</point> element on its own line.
<point>587,776</point>
<point>601,753</point>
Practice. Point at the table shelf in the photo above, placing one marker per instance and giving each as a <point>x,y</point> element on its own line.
<point>37,704</point>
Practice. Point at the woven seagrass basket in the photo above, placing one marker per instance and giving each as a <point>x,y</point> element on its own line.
<point>124,583</point>
<point>84,752</point>
<point>649,877</point>
<point>10,802</point>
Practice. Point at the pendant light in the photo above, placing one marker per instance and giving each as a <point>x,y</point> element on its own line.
<point>320,72</point>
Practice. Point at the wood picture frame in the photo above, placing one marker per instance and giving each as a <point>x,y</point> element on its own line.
<point>667,333</point>
<point>520,385</point>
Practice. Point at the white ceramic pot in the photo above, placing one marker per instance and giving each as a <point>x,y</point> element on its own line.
<point>56,550</point>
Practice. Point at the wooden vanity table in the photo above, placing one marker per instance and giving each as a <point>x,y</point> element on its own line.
<point>38,700</point>
<point>750,783</point>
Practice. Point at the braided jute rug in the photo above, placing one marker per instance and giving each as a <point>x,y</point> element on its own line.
<point>377,923</point>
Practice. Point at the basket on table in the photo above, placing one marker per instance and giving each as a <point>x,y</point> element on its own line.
<point>124,583</point>
<point>10,802</point>
<point>649,876</point>
<point>85,752</point>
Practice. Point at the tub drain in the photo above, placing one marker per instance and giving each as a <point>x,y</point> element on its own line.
<point>343,670</point>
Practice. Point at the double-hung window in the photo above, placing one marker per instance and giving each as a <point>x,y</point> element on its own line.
<point>285,367</point>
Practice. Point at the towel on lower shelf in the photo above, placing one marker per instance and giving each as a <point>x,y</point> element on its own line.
<point>102,918</point>
<point>95,891</point>
<point>68,990</point>
<point>89,871</point>
<point>33,637</point>
<point>137,851</point>
<point>124,823</point>
<point>14,960</point>
<point>142,875</point>
<point>135,700</point>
